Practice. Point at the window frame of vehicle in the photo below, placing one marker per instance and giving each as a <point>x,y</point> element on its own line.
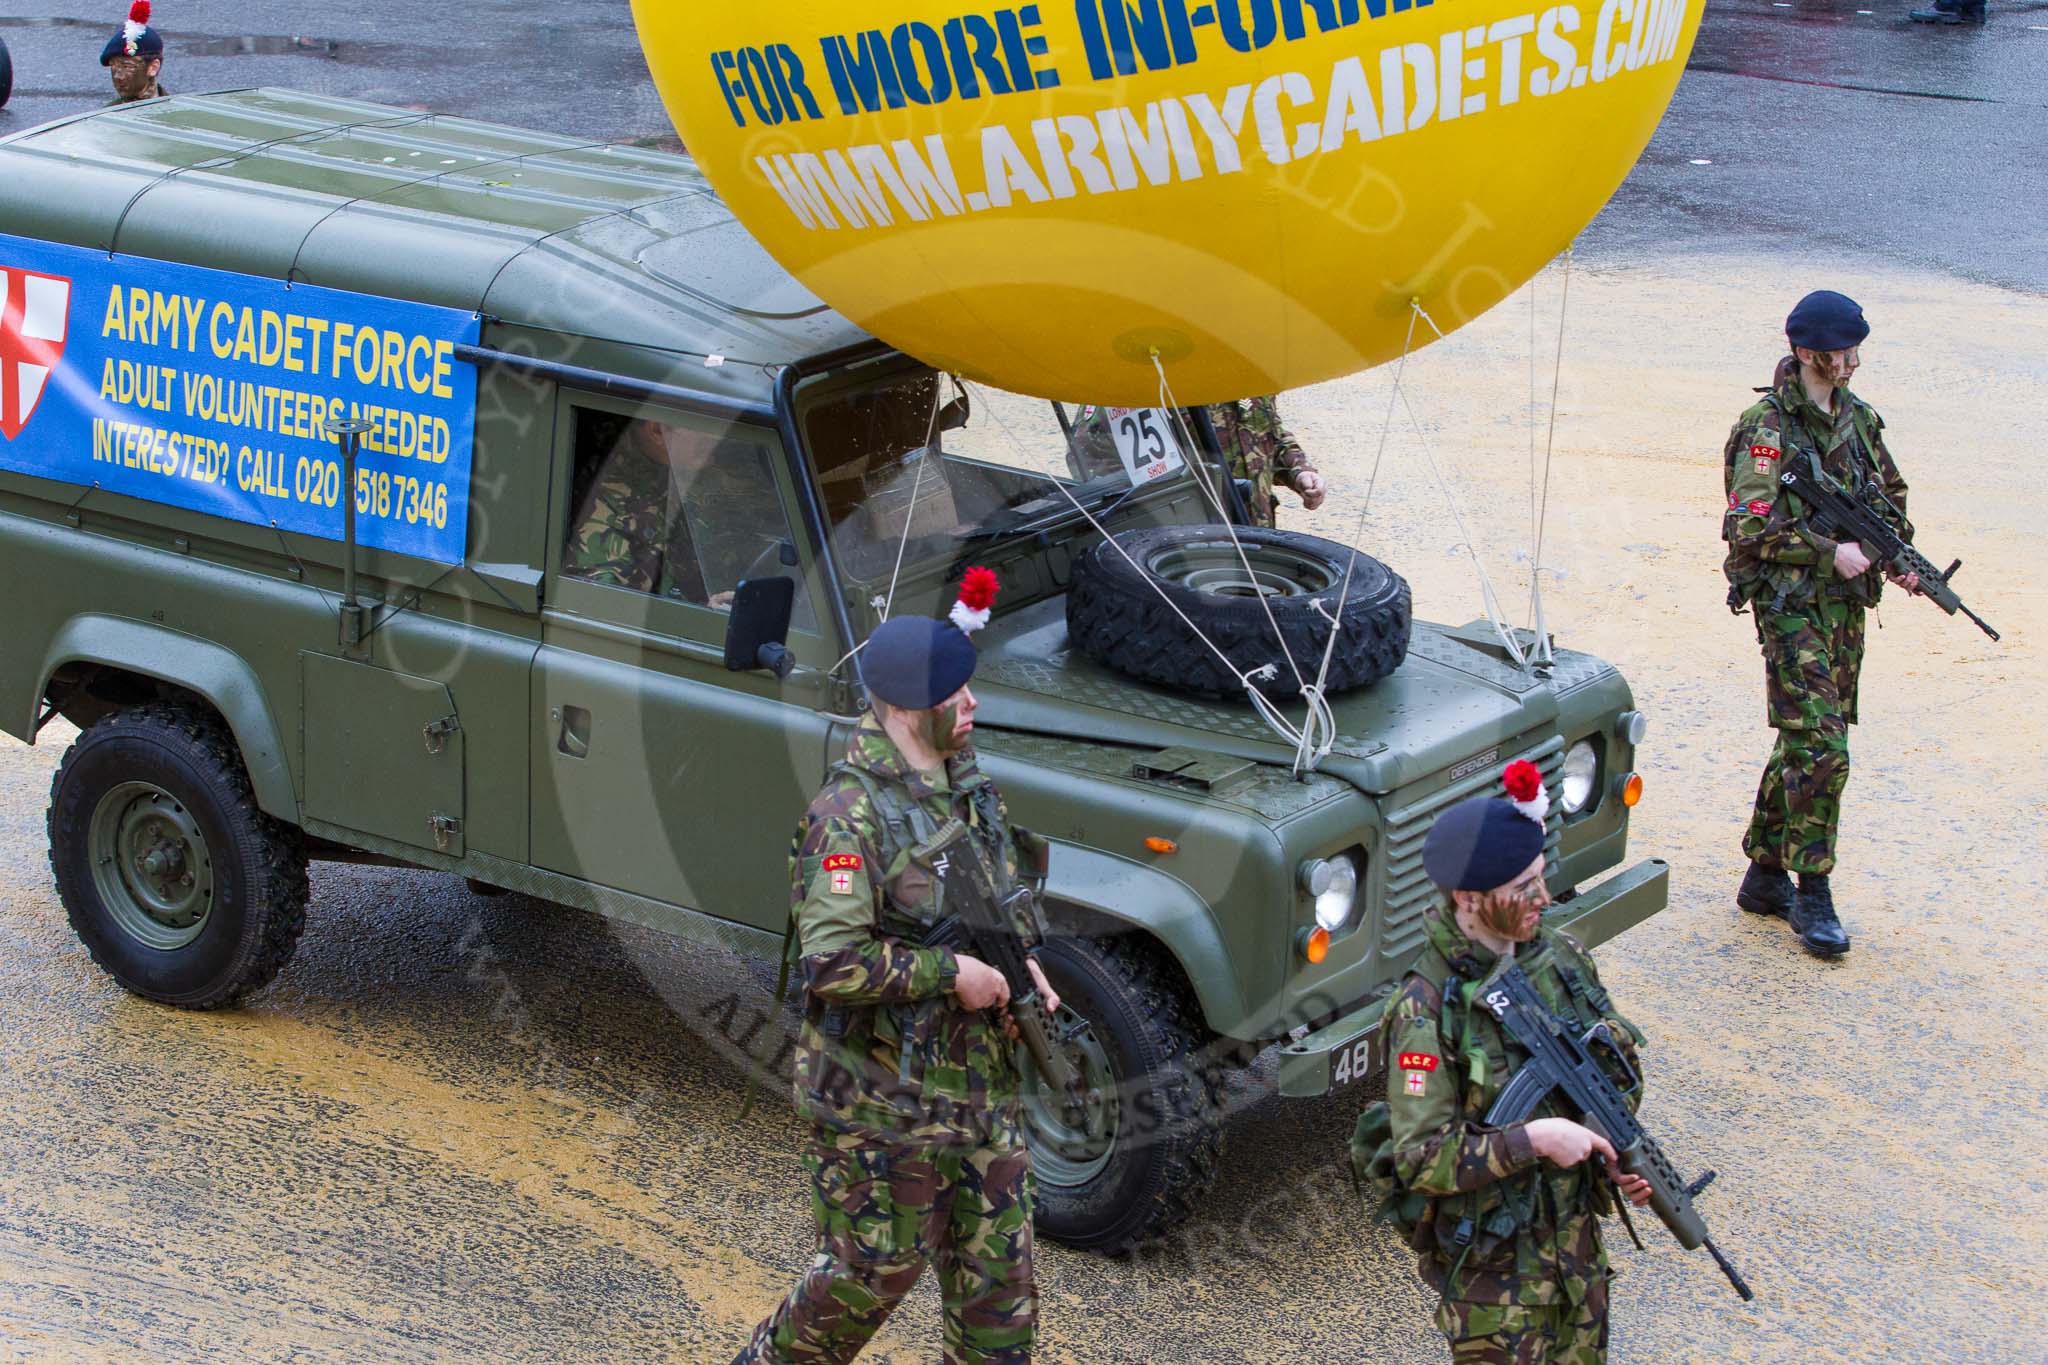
<point>696,627</point>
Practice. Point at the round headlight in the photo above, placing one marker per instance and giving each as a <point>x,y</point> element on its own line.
<point>1338,895</point>
<point>1581,769</point>
<point>1633,725</point>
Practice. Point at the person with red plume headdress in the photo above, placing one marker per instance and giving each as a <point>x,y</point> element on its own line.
<point>907,1066</point>
<point>134,57</point>
<point>1506,1219</point>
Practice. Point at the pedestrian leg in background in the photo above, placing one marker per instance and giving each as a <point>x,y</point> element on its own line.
<point>1950,12</point>
<point>984,1262</point>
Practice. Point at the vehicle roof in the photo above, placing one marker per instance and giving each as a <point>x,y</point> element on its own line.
<point>625,253</point>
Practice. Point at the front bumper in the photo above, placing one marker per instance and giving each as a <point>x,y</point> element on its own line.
<point>1340,1054</point>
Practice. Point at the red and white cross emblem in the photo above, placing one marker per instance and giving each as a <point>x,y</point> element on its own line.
<point>35,313</point>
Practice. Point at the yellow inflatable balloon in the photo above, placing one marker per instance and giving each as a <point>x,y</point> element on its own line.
<point>1048,196</point>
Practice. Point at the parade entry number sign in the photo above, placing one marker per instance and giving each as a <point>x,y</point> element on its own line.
<point>214,392</point>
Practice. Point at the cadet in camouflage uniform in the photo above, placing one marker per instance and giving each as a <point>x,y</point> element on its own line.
<point>1809,595</point>
<point>1511,1241</point>
<point>905,1066</point>
<point>727,515</point>
<point>134,58</point>
<point>1263,452</point>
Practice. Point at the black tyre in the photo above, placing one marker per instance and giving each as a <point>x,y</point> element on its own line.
<point>1116,615</point>
<point>1150,1142</point>
<point>181,889</point>
<point>6,74</point>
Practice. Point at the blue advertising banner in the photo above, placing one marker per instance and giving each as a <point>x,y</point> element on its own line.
<point>213,391</point>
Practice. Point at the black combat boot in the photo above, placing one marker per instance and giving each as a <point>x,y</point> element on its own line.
<point>1765,891</point>
<point>1950,12</point>
<point>1813,918</point>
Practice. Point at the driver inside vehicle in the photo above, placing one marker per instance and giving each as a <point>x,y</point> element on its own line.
<point>678,513</point>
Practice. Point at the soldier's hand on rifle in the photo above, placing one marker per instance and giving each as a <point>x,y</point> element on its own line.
<point>1850,560</point>
<point>1910,582</point>
<point>1046,993</point>
<point>1564,1143</point>
<point>979,986</point>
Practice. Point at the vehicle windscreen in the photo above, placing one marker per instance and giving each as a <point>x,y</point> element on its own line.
<point>916,466</point>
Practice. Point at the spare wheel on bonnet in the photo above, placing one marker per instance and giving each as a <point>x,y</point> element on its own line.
<point>1145,605</point>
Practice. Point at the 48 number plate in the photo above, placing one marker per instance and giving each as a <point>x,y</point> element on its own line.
<point>1352,1063</point>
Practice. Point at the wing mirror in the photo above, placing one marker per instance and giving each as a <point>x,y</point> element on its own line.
<point>757,632</point>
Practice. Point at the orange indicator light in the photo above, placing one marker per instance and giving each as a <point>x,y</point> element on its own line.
<point>1632,790</point>
<point>1159,845</point>
<point>1316,946</point>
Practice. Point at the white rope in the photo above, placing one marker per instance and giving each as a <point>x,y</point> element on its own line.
<point>924,455</point>
<point>1486,592</point>
<point>1543,652</point>
<point>1166,401</point>
<point>1358,531</point>
<point>1318,733</point>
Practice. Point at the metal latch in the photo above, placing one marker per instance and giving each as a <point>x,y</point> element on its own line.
<point>447,828</point>
<point>1192,769</point>
<point>436,732</point>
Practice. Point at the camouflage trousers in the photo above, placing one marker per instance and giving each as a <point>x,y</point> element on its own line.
<point>1812,657</point>
<point>882,1213</point>
<point>1517,1334</point>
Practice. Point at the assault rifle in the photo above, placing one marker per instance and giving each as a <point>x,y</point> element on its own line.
<point>1836,512</point>
<point>1559,1059</point>
<point>984,922</point>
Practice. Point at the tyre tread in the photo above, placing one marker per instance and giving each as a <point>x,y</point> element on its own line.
<point>1117,617</point>
<point>281,887</point>
<point>1193,1085</point>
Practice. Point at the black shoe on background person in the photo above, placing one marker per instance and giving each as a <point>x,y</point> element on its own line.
<point>1950,12</point>
<point>1813,918</point>
<point>1765,891</point>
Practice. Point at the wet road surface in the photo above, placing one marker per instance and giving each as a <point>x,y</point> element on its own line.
<point>461,1128</point>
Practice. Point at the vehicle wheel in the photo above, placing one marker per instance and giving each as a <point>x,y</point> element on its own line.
<point>182,890</point>
<point>1152,1136</point>
<point>1118,612</point>
<point>6,74</point>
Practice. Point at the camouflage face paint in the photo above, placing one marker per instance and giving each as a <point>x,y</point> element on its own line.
<point>939,727</point>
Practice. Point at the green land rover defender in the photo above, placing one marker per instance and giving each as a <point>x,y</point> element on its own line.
<point>624,500</point>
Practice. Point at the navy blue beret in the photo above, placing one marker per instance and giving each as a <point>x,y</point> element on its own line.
<point>146,42</point>
<point>914,662</point>
<point>1480,844</point>
<point>1827,321</point>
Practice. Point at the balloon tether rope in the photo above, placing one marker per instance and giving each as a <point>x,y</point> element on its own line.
<point>1543,652</point>
<point>1317,735</point>
<point>931,431</point>
<point>1486,593</point>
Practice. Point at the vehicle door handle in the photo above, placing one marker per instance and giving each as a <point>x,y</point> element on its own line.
<point>573,739</point>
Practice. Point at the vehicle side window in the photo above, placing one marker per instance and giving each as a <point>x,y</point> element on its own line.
<point>673,511</point>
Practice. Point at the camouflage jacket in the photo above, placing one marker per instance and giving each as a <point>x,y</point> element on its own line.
<point>886,1050</point>
<point>1773,556</point>
<point>1507,1227</point>
<point>623,535</point>
<point>635,529</point>
<point>1261,450</point>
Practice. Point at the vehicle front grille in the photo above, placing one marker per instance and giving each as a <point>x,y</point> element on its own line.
<point>1406,891</point>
